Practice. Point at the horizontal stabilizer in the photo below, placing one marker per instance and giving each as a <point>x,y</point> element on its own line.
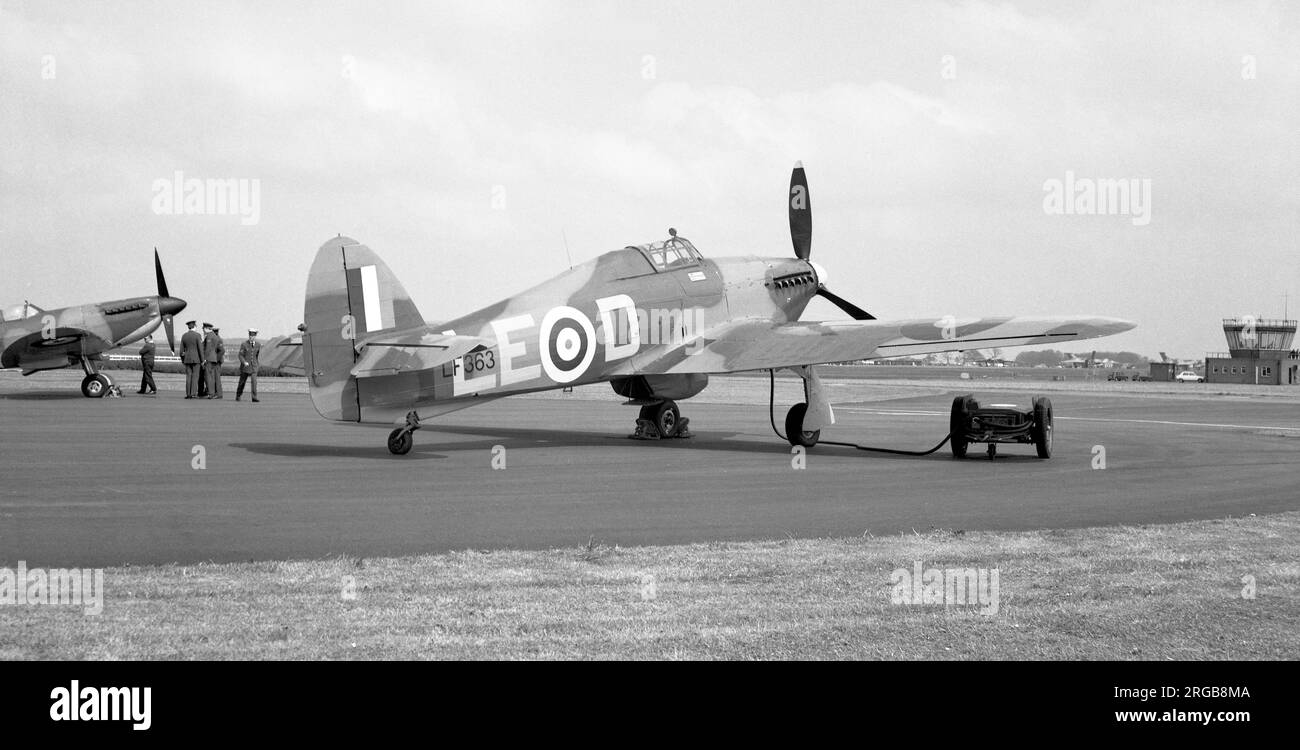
<point>411,351</point>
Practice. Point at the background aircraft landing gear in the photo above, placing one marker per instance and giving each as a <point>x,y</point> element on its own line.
<point>794,431</point>
<point>95,386</point>
<point>401,439</point>
<point>661,420</point>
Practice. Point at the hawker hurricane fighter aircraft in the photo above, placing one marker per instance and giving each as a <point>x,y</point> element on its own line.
<point>34,339</point>
<point>654,321</point>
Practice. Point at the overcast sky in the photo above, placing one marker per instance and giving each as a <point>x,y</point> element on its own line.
<point>464,142</point>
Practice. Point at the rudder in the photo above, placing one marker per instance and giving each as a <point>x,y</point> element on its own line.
<point>351,294</point>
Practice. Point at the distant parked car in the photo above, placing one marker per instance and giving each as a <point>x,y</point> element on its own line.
<point>1187,376</point>
<point>1117,376</point>
<point>1142,378</point>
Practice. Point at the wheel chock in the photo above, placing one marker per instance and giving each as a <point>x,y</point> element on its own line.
<point>645,430</point>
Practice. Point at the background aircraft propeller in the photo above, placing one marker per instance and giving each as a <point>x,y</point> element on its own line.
<point>801,236</point>
<point>168,305</point>
<point>800,213</point>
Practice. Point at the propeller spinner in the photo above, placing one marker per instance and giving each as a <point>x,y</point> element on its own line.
<point>801,237</point>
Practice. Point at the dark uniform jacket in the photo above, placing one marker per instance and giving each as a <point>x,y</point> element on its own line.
<point>192,348</point>
<point>146,354</point>
<point>249,354</point>
<point>211,350</point>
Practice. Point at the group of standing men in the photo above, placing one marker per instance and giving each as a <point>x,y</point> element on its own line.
<point>203,357</point>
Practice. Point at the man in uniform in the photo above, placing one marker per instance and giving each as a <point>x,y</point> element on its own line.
<point>221,362</point>
<point>146,364</point>
<point>192,358</point>
<point>250,353</point>
<point>210,361</point>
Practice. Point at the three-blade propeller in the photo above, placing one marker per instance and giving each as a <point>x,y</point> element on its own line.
<point>801,236</point>
<point>168,305</point>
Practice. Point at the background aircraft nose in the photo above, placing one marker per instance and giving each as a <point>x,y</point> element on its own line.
<point>170,305</point>
<point>167,309</point>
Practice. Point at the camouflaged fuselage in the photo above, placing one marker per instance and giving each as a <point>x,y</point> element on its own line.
<point>613,317</point>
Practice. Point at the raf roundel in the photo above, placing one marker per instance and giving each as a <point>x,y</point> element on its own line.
<point>566,338</point>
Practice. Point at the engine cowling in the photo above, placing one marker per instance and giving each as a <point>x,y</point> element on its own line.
<point>651,387</point>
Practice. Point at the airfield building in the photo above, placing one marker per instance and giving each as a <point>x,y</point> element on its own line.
<point>1163,372</point>
<point>1259,353</point>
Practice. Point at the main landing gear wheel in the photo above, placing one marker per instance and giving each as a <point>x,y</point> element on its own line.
<point>958,422</point>
<point>666,417</point>
<point>95,386</point>
<point>1042,429</point>
<point>794,431</point>
<point>660,421</point>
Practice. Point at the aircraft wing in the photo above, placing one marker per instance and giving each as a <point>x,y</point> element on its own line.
<point>763,344</point>
<point>390,354</point>
<point>33,352</point>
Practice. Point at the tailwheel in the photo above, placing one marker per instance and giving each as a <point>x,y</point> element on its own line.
<point>95,386</point>
<point>400,441</point>
<point>794,431</point>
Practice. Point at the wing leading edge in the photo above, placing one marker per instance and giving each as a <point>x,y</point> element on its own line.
<point>762,345</point>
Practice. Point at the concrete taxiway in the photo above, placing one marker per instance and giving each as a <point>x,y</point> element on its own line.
<point>113,481</point>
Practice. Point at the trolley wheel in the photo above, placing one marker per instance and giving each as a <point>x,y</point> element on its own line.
<point>958,423</point>
<point>1042,429</point>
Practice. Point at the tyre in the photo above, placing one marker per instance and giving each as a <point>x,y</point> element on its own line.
<point>95,386</point>
<point>958,423</point>
<point>794,431</point>
<point>666,417</point>
<point>400,442</point>
<point>1042,429</point>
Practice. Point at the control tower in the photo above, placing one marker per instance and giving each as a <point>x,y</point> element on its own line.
<point>1259,352</point>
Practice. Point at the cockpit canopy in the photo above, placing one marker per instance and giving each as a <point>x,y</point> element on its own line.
<point>19,312</point>
<point>672,253</point>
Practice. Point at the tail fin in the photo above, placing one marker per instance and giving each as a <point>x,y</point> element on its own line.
<point>351,295</point>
